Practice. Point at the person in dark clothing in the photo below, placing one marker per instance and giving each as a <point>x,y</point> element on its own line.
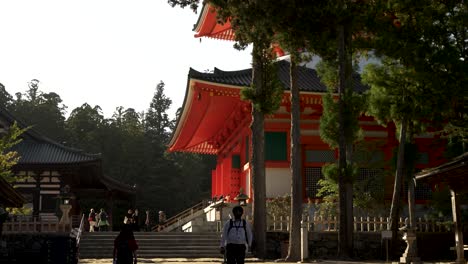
<point>125,247</point>
<point>128,217</point>
<point>236,237</point>
<point>103,222</point>
<point>135,221</point>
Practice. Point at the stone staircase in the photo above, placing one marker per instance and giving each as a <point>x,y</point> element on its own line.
<point>154,244</point>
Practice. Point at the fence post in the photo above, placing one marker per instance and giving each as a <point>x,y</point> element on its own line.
<point>304,239</point>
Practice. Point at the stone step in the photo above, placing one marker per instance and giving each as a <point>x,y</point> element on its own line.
<point>153,244</point>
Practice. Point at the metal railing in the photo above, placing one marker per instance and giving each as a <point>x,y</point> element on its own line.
<point>80,230</point>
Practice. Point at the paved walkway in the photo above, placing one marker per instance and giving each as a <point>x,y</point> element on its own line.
<point>216,260</point>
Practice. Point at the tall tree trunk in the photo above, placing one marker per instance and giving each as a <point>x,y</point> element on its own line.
<point>258,158</point>
<point>395,207</point>
<point>294,251</point>
<point>345,235</point>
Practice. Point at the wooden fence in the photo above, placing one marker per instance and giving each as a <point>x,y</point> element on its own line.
<point>33,225</point>
<point>361,224</point>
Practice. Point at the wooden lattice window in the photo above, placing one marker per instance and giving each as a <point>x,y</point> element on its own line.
<point>320,156</point>
<point>312,176</point>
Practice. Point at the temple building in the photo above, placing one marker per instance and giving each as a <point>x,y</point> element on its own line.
<point>214,120</point>
<point>48,174</point>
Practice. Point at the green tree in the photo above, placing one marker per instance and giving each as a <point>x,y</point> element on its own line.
<point>6,100</point>
<point>44,111</point>
<point>157,121</point>
<point>431,38</point>
<point>83,128</point>
<point>397,96</point>
<point>9,158</point>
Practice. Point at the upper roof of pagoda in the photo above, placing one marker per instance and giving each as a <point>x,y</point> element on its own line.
<point>212,105</point>
<point>35,148</point>
<point>307,78</point>
<point>208,25</point>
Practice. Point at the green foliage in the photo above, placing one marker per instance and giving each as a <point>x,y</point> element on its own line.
<point>44,111</point>
<point>268,99</point>
<point>369,192</point>
<point>9,158</point>
<point>20,211</point>
<point>355,104</point>
<point>440,204</point>
<point>279,206</point>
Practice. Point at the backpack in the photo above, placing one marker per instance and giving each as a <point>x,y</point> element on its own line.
<point>103,216</point>
<point>243,226</point>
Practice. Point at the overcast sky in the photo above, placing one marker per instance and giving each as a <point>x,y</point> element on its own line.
<point>106,52</point>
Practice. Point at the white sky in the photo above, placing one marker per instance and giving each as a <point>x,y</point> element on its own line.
<point>106,52</point>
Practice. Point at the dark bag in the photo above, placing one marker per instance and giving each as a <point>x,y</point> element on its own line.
<point>124,253</point>
<point>103,216</point>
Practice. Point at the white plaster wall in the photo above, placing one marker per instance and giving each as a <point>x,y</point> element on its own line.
<point>278,182</point>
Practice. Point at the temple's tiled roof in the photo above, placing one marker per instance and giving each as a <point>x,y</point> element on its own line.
<point>38,149</point>
<point>307,78</point>
<point>33,151</point>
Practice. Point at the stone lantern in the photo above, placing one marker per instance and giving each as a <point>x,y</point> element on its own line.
<point>242,198</point>
<point>65,205</point>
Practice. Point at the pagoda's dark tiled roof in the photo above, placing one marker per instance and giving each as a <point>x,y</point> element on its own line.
<point>38,149</point>
<point>37,152</point>
<point>307,78</point>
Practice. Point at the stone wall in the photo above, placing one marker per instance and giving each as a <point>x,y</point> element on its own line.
<point>367,245</point>
<point>39,248</point>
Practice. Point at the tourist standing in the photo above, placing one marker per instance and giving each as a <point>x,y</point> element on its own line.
<point>236,237</point>
<point>147,221</point>
<point>162,220</point>
<point>103,223</point>
<point>92,220</point>
<point>125,247</point>
<point>135,221</point>
<point>128,217</point>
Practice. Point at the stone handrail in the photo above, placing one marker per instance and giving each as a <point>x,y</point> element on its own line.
<point>361,224</point>
<point>177,218</point>
<point>32,225</point>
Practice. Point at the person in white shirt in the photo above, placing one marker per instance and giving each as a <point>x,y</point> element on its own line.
<point>236,237</point>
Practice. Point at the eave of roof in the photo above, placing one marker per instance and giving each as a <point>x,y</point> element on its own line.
<point>9,197</point>
<point>207,25</point>
<point>113,184</point>
<point>459,163</point>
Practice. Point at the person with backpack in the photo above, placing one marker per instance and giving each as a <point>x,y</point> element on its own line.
<point>236,237</point>
<point>125,247</point>
<point>103,223</point>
